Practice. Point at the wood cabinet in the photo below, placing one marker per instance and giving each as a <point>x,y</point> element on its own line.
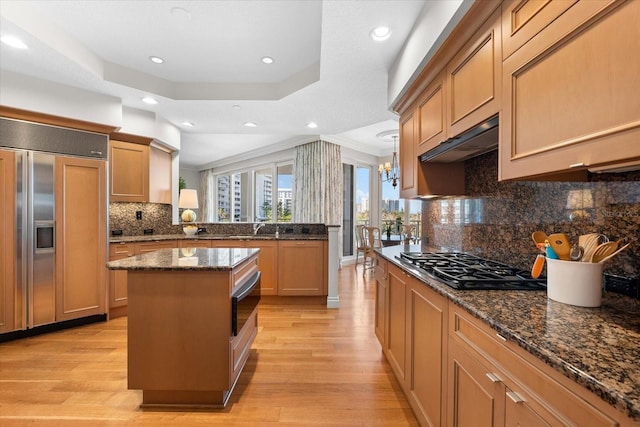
<point>302,268</point>
<point>429,178</point>
<point>118,279</point>
<point>571,93</point>
<point>500,384</point>
<point>145,247</point>
<point>7,249</point>
<point>432,115</point>
<point>396,343</point>
<point>139,173</point>
<point>474,78</point>
<point>80,211</point>
<point>267,260</point>
<point>180,326</point>
<point>382,291</point>
<point>523,19</point>
<point>426,326</point>
<point>194,243</point>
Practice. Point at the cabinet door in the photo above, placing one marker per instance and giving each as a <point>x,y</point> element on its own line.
<point>159,176</point>
<point>396,334</point>
<point>231,243</point>
<point>128,172</point>
<point>426,349</point>
<point>267,264</point>
<point>301,268</point>
<point>474,78</point>
<point>475,399</point>
<point>523,19</point>
<point>571,93</point>
<point>382,286</point>
<point>118,278</point>
<point>432,123</point>
<point>80,237</point>
<point>408,160</point>
<point>7,249</point>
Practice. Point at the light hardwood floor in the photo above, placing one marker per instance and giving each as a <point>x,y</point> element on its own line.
<point>309,366</point>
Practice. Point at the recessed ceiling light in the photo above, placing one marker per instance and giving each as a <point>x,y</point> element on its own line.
<point>14,42</point>
<point>156,59</point>
<point>312,125</point>
<point>236,107</point>
<point>149,100</point>
<point>267,60</point>
<point>181,13</point>
<point>250,124</point>
<point>188,124</point>
<point>380,33</point>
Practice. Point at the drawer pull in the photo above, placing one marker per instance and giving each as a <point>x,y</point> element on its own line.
<point>501,337</point>
<point>515,397</point>
<point>493,377</point>
<point>577,165</point>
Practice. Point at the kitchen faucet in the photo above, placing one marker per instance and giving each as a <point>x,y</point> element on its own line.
<point>257,226</point>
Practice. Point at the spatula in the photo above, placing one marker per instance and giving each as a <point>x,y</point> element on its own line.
<point>603,251</point>
<point>560,245</point>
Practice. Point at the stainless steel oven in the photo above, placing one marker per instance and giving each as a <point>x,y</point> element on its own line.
<point>243,302</point>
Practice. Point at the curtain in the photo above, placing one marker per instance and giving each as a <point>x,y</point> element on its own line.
<point>317,183</point>
<point>205,196</point>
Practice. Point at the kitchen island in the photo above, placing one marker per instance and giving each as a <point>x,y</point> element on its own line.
<point>188,338</point>
<point>559,363</point>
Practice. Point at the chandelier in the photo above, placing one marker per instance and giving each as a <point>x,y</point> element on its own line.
<point>389,171</point>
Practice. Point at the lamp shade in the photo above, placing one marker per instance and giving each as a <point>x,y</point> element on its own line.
<point>188,199</point>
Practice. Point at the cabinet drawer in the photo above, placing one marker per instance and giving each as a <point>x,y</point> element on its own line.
<point>521,374</point>
<point>120,250</point>
<point>242,273</point>
<point>145,247</point>
<point>241,346</point>
<point>192,243</point>
<point>381,271</point>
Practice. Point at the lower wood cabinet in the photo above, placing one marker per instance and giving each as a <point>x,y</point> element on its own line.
<point>455,370</point>
<point>7,249</point>
<point>302,268</point>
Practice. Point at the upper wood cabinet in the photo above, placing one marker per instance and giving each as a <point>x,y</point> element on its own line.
<point>432,118</point>
<point>571,97</point>
<point>408,160</point>
<point>523,19</point>
<point>139,173</point>
<point>474,78</point>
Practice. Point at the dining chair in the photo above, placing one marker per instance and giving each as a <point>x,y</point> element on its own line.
<point>372,240</point>
<point>359,243</point>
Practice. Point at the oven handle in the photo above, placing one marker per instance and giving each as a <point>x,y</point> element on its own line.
<point>247,287</point>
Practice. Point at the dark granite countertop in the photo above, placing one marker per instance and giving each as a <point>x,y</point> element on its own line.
<point>219,259</point>
<point>598,348</point>
<point>160,237</point>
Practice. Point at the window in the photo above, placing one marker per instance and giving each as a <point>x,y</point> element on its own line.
<point>285,196</point>
<point>239,198</point>
<point>356,199</point>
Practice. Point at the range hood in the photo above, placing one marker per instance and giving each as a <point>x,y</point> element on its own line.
<point>474,142</point>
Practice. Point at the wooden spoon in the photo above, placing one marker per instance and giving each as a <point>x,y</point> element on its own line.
<point>615,253</point>
<point>539,237</point>
<point>603,251</point>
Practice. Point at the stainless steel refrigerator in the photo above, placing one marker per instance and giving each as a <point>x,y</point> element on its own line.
<point>36,148</point>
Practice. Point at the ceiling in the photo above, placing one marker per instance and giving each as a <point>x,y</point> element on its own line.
<point>326,67</point>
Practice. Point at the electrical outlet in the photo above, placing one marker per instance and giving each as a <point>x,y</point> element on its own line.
<point>138,215</point>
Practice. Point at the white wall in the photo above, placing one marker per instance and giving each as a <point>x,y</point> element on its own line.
<point>431,29</point>
<point>28,93</point>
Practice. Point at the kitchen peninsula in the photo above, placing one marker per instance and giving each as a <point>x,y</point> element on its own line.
<point>192,317</point>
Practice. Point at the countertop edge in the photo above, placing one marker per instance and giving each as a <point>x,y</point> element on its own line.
<point>183,237</point>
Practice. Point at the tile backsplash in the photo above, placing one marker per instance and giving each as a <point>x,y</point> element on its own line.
<point>495,220</point>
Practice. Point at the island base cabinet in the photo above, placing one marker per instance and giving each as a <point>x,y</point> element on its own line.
<point>180,348</point>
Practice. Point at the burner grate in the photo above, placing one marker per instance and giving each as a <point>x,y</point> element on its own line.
<point>465,271</point>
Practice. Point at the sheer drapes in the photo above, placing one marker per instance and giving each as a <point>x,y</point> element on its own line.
<point>205,196</point>
<point>317,183</point>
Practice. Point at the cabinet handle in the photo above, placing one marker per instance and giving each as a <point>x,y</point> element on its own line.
<point>493,377</point>
<point>99,153</point>
<point>577,165</point>
<point>501,337</point>
<point>515,397</point>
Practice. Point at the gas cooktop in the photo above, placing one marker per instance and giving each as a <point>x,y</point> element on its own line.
<point>465,271</point>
